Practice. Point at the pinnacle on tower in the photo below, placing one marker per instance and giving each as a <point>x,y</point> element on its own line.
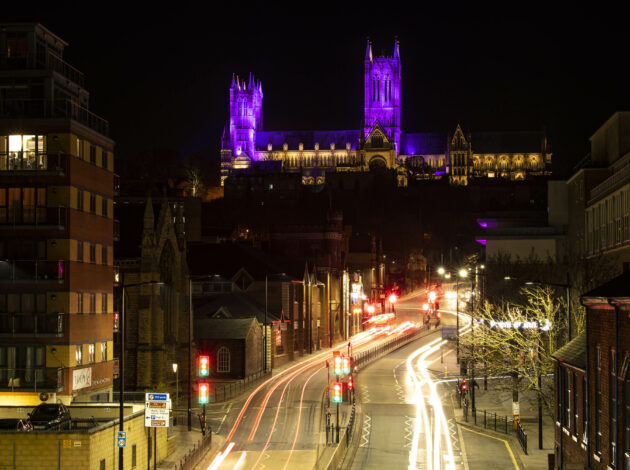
<point>368,50</point>
<point>396,48</point>
<point>233,81</point>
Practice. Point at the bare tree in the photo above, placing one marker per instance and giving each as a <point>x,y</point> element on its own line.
<point>519,339</point>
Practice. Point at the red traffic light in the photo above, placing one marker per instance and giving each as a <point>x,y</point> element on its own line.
<point>204,392</point>
<point>204,366</point>
<point>393,298</point>
<point>464,385</point>
<point>350,382</point>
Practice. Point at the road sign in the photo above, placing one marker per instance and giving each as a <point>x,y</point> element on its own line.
<point>121,438</point>
<point>449,332</point>
<point>156,411</point>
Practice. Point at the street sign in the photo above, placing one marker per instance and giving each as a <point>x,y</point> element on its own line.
<point>121,438</point>
<point>449,332</point>
<point>156,411</point>
<point>516,408</point>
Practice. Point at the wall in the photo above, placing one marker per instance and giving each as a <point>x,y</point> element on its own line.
<point>80,449</point>
<point>522,248</point>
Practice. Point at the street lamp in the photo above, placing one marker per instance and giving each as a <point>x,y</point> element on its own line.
<point>392,300</point>
<point>176,385</point>
<point>121,361</point>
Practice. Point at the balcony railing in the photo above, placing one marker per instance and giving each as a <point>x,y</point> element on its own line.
<point>23,161</point>
<point>14,271</point>
<point>48,61</point>
<point>33,217</point>
<point>37,109</point>
<point>610,183</point>
<point>32,324</point>
<point>31,379</point>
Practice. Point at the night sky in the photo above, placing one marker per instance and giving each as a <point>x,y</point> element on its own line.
<point>161,75</point>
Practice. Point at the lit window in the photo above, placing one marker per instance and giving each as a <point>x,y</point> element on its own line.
<point>91,354</point>
<point>104,351</point>
<point>79,354</point>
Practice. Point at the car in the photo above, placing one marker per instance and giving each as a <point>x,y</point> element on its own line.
<point>15,424</point>
<point>50,416</point>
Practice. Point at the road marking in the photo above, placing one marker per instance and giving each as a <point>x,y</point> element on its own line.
<point>365,436</point>
<point>498,439</point>
<point>462,446</point>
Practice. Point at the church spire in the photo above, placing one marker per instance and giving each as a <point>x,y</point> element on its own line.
<point>368,50</point>
<point>233,81</point>
<point>396,48</point>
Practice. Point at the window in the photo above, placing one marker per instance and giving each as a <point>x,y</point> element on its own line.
<point>133,456</point>
<point>92,203</point>
<point>79,148</point>
<point>612,407</point>
<point>104,255</point>
<point>92,300</point>
<point>104,207</point>
<point>92,155</point>
<point>223,360</point>
<point>104,159</point>
<point>79,251</point>
<point>103,303</point>
<point>104,351</point>
<point>91,353</point>
<point>23,152</point>
<point>103,466</point>
<point>92,253</point>
<point>79,354</point>
<point>79,302</point>
<point>598,400</point>
<point>80,199</point>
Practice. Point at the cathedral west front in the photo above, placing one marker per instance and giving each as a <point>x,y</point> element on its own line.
<point>378,143</point>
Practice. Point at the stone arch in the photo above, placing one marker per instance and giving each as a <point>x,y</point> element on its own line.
<point>378,163</point>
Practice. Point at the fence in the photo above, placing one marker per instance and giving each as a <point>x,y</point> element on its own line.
<point>194,455</point>
<point>226,391</point>
<point>500,423</point>
<point>394,343</point>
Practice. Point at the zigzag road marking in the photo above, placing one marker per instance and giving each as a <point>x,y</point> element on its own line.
<point>365,435</point>
<point>409,426</point>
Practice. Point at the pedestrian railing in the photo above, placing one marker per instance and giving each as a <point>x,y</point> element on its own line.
<point>387,346</point>
<point>194,455</point>
<point>522,437</point>
<point>223,391</point>
<point>350,426</point>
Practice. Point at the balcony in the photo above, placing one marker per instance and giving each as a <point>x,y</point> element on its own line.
<point>42,109</point>
<point>610,184</point>
<point>29,325</point>
<point>38,218</point>
<point>31,379</point>
<point>34,164</point>
<point>29,271</point>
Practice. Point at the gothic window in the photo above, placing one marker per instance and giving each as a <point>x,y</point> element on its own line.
<point>377,140</point>
<point>378,89</point>
<point>223,359</point>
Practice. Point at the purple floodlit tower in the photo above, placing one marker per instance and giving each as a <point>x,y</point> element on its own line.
<point>382,93</point>
<point>245,115</point>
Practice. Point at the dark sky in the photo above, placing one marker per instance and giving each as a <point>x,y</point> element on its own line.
<point>161,75</point>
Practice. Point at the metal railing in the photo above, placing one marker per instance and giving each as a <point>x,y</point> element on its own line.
<point>34,216</point>
<point>394,343</point>
<point>32,324</point>
<point>226,391</point>
<point>350,426</point>
<point>194,455</point>
<point>31,379</point>
<point>25,161</point>
<point>522,437</point>
<point>499,423</point>
<point>48,61</point>
<point>609,184</point>
<point>32,271</point>
<point>39,108</point>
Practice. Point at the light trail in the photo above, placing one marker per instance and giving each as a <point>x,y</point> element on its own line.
<point>240,460</point>
<point>221,457</point>
<point>417,367</point>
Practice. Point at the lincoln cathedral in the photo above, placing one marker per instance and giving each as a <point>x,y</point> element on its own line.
<point>379,143</point>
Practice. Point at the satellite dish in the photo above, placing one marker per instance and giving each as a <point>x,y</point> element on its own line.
<point>43,396</point>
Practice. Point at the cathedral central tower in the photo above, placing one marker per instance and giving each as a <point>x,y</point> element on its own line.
<point>382,93</point>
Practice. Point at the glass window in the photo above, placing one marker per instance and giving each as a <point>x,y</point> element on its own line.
<point>223,360</point>
<point>92,155</point>
<point>93,203</point>
<point>104,255</point>
<point>104,159</point>
<point>80,199</point>
<point>104,207</point>
<point>104,351</point>
<point>92,253</point>
<point>104,303</point>
<point>79,354</point>
<point>79,251</point>
<point>91,353</point>
<point>79,302</point>
<point>92,298</point>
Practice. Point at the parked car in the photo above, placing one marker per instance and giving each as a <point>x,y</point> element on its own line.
<point>50,416</point>
<point>15,424</point>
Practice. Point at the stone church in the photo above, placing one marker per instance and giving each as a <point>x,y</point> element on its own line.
<point>157,302</point>
<point>378,143</point>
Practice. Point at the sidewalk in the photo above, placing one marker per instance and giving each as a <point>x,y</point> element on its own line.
<point>498,399</point>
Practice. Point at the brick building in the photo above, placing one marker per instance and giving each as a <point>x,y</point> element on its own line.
<point>56,226</point>
<point>607,342</point>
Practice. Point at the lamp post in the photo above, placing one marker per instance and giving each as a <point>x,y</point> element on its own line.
<point>176,385</point>
<point>461,273</point>
<point>121,361</point>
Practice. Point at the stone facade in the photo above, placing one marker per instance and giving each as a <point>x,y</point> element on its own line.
<point>157,314</point>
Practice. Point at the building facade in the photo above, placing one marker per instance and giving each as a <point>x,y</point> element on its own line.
<point>379,143</point>
<point>56,226</point>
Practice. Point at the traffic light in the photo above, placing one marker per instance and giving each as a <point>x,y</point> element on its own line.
<point>350,383</point>
<point>336,392</point>
<point>464,385</point>
<point>432,296</point>
<point>204,366</point>
<point>204,393</point>
<point>346,365</point>
<point>337,365</point>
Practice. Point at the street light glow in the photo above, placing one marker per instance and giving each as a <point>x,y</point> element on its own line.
<point>441,271</point>
<point>463,272</point>
<point>174,368</point>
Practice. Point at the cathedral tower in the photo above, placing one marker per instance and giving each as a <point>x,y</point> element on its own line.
<point>382,93</point>
<point>245,115</point>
